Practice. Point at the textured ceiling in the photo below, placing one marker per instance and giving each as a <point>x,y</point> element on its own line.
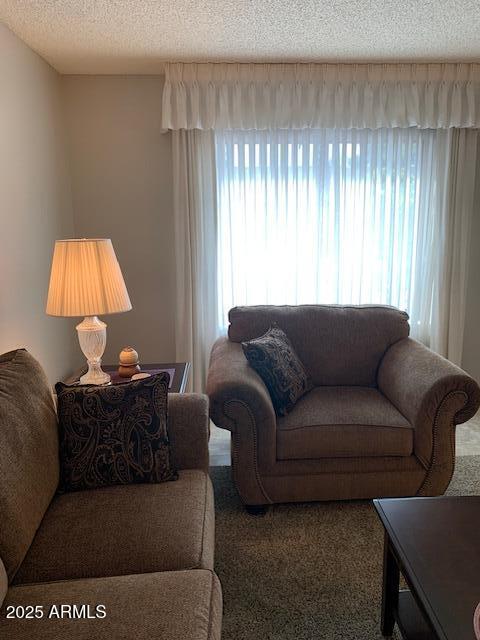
<point>135,36</point>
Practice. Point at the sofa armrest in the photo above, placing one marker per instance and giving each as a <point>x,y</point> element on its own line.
<point>188,430</point>
<point>231,379</point>
<point>431,392</point>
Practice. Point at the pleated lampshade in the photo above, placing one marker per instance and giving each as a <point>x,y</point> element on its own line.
<point>86,279</point>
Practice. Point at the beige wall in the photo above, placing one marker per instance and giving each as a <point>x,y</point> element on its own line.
<point>35,205</point>
<point>122,189</point>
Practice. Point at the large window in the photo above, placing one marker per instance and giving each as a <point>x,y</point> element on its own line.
<point>326,216</point>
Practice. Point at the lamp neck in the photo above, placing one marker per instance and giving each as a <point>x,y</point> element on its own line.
<point>91,323</point>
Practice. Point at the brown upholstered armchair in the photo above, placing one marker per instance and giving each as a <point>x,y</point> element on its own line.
<point>380,420</point>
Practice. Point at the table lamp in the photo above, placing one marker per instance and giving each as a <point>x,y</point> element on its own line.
<point>86,280</point>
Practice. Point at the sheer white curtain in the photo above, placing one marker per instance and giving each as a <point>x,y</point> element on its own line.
<point>452,237</point>
<point>321,183</point>
<point>347,216</point>
<point>195,250</point>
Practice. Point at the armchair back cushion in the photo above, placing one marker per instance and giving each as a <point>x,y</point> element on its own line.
<point>29,467</point>
<point>339,345</point>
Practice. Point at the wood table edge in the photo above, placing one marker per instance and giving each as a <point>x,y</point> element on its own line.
<point>407,570</point>
<point>182,371</point>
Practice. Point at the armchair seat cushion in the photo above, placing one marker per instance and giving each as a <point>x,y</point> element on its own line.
<point>343,422</point>
<point>123,530</point>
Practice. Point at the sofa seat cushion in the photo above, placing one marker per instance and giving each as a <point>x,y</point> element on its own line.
<point>124,529</point>
<point>338,422</point>
<point>174,605</point>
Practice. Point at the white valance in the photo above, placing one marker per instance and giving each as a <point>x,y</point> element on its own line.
<point>299,96</point>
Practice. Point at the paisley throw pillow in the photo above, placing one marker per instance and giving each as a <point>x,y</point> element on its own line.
<point>276,362</point>
<point>115,434</point>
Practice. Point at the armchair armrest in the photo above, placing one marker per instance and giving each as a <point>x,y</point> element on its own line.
<point>431,392</point>
<point>231,379</point>
<point>188,430</point>
<point>240,402</point>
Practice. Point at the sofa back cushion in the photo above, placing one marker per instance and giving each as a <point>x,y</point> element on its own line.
<point>339,345</point>
<point>29,467</point>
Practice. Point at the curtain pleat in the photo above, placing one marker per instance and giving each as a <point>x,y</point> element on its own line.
<point>457,161</point>
<point>300,96</point>
<point>195,250</point>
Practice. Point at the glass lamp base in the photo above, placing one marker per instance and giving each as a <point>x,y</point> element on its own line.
<point>92,335</point>
<point>95,375</point>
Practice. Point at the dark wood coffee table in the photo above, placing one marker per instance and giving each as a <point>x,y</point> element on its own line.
<point>178,372</point>
<point>435,544</point>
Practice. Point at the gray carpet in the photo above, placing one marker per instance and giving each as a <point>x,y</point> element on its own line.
<point>305,571</point>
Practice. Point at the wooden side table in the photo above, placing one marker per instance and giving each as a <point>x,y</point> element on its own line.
<point>433,543</point>
<point>178,372</point>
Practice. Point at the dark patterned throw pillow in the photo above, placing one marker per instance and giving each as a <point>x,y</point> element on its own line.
<point>115,434</point>
<point>275,360</point>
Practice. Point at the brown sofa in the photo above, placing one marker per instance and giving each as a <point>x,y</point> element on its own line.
<point>145,552</point>
<point>380,420</point>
